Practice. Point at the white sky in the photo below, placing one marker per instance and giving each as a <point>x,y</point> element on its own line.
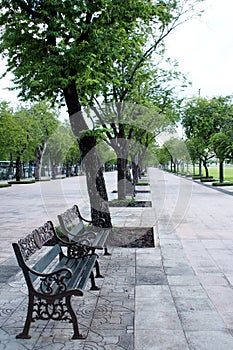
<point>203,47</point>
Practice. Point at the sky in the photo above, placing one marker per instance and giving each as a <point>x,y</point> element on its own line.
<point>203,48</point>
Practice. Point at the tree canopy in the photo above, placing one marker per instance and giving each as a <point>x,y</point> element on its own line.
<point>65,50</point>
<point>49,44</point>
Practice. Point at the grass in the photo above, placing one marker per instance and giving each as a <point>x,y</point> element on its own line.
<point>227,171</point>
<point>21,182</point>
<point>214,171</point>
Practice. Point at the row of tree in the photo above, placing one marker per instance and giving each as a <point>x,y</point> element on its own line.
<point>84,52</point>
<point>208,133</point>
<point>208,126</point>
<point>34,134</point>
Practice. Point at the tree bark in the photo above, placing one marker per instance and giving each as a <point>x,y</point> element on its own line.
<point>135,171</point>
<point>221,174</point>
<point>200,167</point>
<point>90,159</point>
<point>38,162</point>
<point>206,168</point>
<point>121,177</point>
<point>17,172</point>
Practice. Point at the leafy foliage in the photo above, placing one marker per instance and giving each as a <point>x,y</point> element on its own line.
<point>208,126</point>
<point>48,44</point>
<point>24,130</point>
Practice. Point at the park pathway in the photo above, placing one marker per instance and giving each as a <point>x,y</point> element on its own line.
<point>195,226</point>
<point>178,295</point>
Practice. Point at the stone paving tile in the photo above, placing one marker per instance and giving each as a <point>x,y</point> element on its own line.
<point>160,339</point>
<point>213,279</point>
<point>223,303</point>
<point>201,320</point>
<point>149,319</point>
<point>208,340</point>
<point>193,304</point>
<point>183,280</point>
<point>188,291</point>
<point>228,320</point>
<point>165,304</point>
<point>156,316</point>
<point>150,275</point>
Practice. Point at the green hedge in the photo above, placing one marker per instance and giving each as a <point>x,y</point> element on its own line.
<point>21,182</point>
<point>5,185</point>
<point>208,179</point>
<point>230,183</point>
<point>142,183</point>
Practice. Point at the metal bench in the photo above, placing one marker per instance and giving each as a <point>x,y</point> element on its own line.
<point>54,278</point>
<point>72,227</point>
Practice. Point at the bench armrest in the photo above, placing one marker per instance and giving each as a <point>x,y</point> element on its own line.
<point>91,222</point>
<point>53,282</point>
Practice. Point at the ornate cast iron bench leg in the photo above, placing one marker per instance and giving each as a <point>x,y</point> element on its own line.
<point>97,267</point>
<point>77,334</point>
<point>24,334</point>
<point>93,285</point>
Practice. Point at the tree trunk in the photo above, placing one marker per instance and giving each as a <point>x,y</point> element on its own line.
<point>206,168</point>
<point>38,161</point>
<point>17,172</point>
<point>200,168</point>
<point>174,167</point>
<point>135,171</point>
<point>68,169</point>
<point>95,181</point>
<point>221,174</point>
<point>121,177</point>
<point>90,159</point>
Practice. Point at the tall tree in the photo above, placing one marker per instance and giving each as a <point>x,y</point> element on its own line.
<point>135,77</point>
<point>199,125</point>
<point>149,107</point>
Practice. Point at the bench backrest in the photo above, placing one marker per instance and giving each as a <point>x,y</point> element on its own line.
<point>69,220</point>
<point>31,244</point>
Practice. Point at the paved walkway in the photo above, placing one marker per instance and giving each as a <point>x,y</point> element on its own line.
<point>177,295</point>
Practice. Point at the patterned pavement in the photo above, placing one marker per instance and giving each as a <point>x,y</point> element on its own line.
<point>177,295</point>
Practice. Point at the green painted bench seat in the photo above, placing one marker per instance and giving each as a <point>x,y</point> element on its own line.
<point>54,278</point>
<point>73,227</point>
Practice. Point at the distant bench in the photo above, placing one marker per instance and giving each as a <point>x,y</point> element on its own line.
<point>54,278</point>
<point>72,227</point>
